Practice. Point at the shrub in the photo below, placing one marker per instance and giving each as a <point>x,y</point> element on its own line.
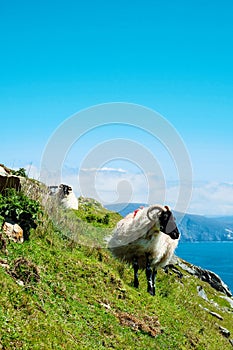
<point>17,207</point>
<point>19,172</point>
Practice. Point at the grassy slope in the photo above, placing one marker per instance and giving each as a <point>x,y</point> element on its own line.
<point>85,300</point>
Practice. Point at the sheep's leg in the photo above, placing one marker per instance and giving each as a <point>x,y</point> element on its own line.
<point>136,268</point>
<point>154,274</point>
<point>151,276</point>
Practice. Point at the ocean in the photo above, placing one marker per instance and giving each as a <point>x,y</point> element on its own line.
<point>213,256</point>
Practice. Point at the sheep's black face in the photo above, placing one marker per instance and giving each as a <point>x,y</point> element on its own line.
<point>66,189</point>
<point>168,224</point>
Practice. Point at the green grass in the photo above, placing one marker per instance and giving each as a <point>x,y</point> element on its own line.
<point>93,212</point>
<point>85,298</point>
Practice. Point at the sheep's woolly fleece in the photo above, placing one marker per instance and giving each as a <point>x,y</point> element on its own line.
<point>134,226</point>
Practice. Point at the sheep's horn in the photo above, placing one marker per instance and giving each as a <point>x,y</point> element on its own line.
<point>158,207</point>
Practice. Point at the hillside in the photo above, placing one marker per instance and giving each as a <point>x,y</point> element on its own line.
<point>193,228</point>
<point>61,289</point>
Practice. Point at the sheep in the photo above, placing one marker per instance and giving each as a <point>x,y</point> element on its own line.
<point>146,239</point>
<point>65,195</point>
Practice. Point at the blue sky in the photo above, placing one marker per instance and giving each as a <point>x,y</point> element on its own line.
<point>174,57</point>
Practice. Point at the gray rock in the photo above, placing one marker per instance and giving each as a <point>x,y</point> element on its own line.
<point>13,231</point>
<point>216,315</point>
<point>205,275</point>
<point>212,313</point>
<point>225,332</point>
<point>202,293</point>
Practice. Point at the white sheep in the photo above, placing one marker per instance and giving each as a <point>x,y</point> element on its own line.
<point>66,196</point>
<point>147,239</point>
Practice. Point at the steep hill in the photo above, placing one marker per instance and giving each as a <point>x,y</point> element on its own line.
<point>61,289</point>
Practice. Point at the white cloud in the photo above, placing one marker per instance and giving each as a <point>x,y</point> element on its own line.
<point>212,198</point>
<point>110,185</point>
<point>207,198</point>
<point>104,169</point>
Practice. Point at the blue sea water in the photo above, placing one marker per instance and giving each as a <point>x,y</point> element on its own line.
<point>213,256</point>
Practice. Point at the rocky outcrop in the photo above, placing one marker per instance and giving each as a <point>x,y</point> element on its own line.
<point>9,181</point>
<point>225,332</point>
<point>205,275</point>
<point>4,170</point>
<point>13,231</point>
<point>215,314</point>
